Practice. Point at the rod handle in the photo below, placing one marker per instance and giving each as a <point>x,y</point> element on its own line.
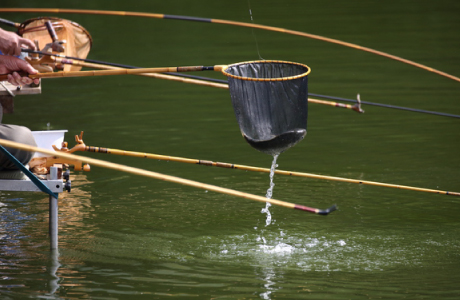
<point>4,77</point>
<point>51,31</point>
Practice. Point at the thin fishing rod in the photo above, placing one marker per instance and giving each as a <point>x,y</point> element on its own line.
<point>159,176</point>
<point>234,23</point>
<point>221,81</point>
<point>389,106</point>
<point>82,147</point>
<point>356,107</point>
<point>31,51</point>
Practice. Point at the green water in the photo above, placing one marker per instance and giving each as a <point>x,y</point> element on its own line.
<point>129,237</point>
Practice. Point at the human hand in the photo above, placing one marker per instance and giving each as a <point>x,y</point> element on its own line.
<point>10,64</point>
<point>10,43</point>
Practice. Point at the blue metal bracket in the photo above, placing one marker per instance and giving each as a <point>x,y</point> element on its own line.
<point>29,174</point>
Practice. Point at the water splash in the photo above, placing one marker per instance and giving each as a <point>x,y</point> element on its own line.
<point>269,194</point>
<point>342,252</point>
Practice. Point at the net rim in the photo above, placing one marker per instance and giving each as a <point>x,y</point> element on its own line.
<point>224,71</point>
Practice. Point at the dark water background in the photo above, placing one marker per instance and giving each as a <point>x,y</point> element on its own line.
<point>129,237</point>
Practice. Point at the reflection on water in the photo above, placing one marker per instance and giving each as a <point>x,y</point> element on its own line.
<point>268,275</point>
<point>74,208</point>
<point>53,267</point>
<point>26,261</point>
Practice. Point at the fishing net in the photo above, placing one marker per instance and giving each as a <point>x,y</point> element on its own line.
<point>270,103</point>
<point>78,40</point>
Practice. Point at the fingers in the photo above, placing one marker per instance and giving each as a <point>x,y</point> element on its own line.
<point>10,64</point>
<point>10,43</point>
<point>12,48</point>
<point>17,80</point>
<point>16,49</point>
<point>25,42</point>
<point>24,66</point>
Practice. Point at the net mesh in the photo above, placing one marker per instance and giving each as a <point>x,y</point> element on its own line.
<point>78,40</point>
<point>270,103</point>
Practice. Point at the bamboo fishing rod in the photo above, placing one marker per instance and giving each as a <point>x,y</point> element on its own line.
<point>233,23</point>
<point>159,176</point>
<point>82,147</point>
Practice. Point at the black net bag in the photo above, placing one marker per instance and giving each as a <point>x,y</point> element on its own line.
<point>270,100</point>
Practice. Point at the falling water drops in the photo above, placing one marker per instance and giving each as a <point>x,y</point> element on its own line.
<point>269,194</point>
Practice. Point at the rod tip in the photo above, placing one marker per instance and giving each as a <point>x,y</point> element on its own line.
<point>325,212</point>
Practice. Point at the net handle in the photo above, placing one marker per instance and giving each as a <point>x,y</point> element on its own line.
<point>116,72</point>
<point>218,68</point>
